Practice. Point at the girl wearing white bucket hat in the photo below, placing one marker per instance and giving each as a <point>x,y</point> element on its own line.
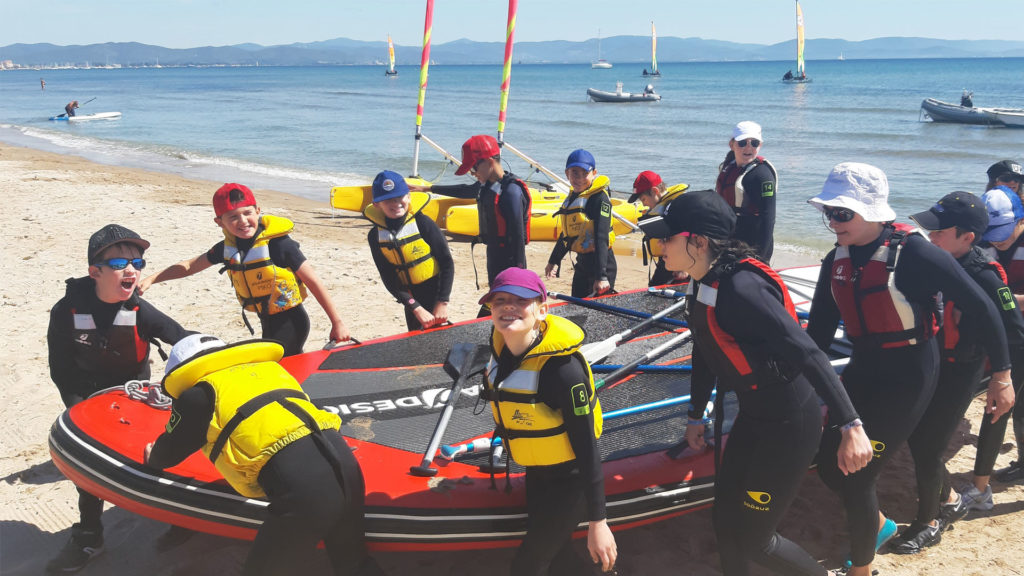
<point>882,280</point>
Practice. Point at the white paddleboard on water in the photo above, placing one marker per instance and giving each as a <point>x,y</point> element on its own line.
<point>86,117</point>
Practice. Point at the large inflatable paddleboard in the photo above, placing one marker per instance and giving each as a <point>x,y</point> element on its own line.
<point>389,393</point>
<point>87,117</point>
<point>544,225</point>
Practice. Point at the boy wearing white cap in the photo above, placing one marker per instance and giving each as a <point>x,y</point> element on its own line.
<point>748,183</point>
<point>882,280</point>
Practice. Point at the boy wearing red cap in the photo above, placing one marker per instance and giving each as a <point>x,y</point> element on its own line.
<point>502,200</point>
<point>650,190</point>
<point>99,337</point>
<point>268,271</point>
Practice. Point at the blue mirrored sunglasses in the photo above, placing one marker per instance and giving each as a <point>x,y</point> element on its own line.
<point>122,263</point>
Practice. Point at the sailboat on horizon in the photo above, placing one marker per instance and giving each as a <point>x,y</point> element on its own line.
<point>801,74</point>
<point>654,55</point>
<point>390,71</point>
<point>600,62</point>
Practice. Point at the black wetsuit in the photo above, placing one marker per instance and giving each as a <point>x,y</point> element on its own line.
<point>991,435</point>
<point>82,366</point>
<point>307,500</point>
<point>506,251</point>
<point>959,375</point>
<point>892,387</point>
<point>777,431</point>
<point>600,263</point>
<point>559,497</point>
<point>290,327</point>
<point>428,293</point>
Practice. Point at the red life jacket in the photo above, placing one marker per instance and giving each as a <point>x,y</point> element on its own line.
<point>493,228</point>
<point>874,311</point>
<point>116,352</point>
<point>975,263</point>
<point>738,366</point>
<point>730,185</point>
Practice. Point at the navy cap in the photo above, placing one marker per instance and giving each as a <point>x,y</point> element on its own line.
<point>703,212</point>
<point>581,158</point>
<point>388,185</point>
<point>961,209</point>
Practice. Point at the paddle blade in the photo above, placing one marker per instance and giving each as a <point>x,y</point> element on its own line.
<point>597,351</point>
<point>465,359</point>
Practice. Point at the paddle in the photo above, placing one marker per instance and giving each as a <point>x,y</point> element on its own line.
<point>609,308</point>
<point>627,369</point>
<point>597,350</point>
<point>80,105</point>
<point>464,361</point>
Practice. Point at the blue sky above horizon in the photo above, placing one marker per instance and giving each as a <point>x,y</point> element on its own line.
<point>192,23</point>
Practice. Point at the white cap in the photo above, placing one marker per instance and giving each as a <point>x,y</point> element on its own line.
<point>189,347</point>
<point>747,129</point>
<point>860,187</point>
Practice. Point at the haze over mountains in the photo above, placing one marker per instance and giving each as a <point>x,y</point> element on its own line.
<point>617,49</point>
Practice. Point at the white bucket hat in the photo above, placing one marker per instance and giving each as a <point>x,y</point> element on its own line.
<point>862,188</point>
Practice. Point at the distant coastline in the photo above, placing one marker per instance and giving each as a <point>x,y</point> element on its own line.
<point>618,49</point>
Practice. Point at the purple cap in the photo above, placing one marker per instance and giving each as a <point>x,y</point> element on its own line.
<point>518,282</point>
<point>1004,210</point>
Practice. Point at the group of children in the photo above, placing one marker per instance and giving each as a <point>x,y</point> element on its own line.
<point>910,378</point>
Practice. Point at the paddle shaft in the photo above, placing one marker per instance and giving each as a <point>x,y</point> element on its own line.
<point>424,469</point>
<point>609,308</point>
<point>632,366</point>
<point>598,350</point>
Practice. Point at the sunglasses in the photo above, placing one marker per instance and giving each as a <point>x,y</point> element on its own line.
<point>838,214</point>
<point>748,142</point>
<point>122,263</point>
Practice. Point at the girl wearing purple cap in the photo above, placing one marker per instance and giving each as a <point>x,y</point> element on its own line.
<point>586,216</point>
<point>882,280</point>
<point>537,376</point>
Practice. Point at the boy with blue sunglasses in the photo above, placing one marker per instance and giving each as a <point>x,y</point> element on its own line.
<point>99,337</point>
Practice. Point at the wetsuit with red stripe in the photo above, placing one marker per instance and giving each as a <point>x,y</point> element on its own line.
<point>890,380</point>
<point>745,333</point>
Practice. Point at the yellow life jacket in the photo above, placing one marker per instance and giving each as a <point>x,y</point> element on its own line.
<point>673,192</point>
<point>262,286</point>
<point>259,408</point>
<point>576,226</point>
<point>405,249</point>
<point>533,431</point>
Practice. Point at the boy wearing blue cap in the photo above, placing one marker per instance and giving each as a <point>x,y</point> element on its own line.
<point>410,251</point>
<point>586,216</point>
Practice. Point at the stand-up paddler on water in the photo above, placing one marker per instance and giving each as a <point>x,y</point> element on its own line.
<point>746,334</point>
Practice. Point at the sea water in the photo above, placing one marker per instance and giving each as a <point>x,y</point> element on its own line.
<point>304,129</point>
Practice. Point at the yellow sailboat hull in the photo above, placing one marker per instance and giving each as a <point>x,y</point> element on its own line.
<point>544,225</point>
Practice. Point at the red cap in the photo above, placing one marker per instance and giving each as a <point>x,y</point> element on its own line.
<point>476,149</point>
<point>644,182</point>
<point>222,198</point>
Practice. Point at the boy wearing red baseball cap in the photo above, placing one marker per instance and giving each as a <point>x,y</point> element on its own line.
<point>268,271</point>
<point>503,203</point>
<point>652,191</point>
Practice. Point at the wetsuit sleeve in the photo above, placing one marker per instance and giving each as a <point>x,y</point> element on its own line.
<point>511,204</point>
<point>599,210</point>
<point>388,274</point>
<point>702,384</point>
<point>434,238</point>
<point>1009,312</point>
<point>762,182</point>
<point>71,384</point>
<point>560,249</point>
<point>751,310</point>
<point>186,430</point>
<point>155,324</point>
<point>285,252</point>
<point>465,191</point>
<point>824,317</point>
<point>923,269</point>
<point>560,383</point>
<point>215,255</point>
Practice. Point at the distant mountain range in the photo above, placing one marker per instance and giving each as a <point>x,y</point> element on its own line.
<point>617,49</point>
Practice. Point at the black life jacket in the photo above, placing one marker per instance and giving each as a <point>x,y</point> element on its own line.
<point>493,228</point>
<point>111,354</point>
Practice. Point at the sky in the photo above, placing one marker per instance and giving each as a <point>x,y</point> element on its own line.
<point>192,23</point>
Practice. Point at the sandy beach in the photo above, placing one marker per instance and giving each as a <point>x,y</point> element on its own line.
<point>55,202</point>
